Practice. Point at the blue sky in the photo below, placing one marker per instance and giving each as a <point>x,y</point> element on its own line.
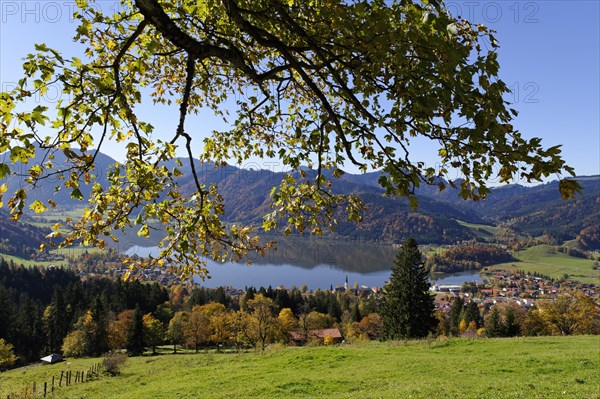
<point>549,56</point>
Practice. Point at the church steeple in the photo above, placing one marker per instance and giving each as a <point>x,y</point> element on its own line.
<point>346,283</point>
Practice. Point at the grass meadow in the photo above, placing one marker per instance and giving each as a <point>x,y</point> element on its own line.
<point>545,260</point>
<point>544,367</point>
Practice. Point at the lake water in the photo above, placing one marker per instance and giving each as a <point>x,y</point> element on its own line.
<point>316,263</point>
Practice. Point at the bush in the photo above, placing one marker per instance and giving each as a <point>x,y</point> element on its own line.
<point>329,340</point>
<point>113,362</point>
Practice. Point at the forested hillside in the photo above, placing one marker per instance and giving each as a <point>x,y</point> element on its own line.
<point>19,238</point>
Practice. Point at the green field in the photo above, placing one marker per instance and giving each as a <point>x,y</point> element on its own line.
<point>484,231</point>
<point>547,367</point>
<point>73,252</point>
<point>545,260</point>
<point>29,263</point>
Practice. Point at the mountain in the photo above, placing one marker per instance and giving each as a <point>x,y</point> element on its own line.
<point>530,210</point>
<point>245,193</point>
<point>46,189</point>
<point>541,210</point>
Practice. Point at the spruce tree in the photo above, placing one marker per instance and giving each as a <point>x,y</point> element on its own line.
<point>98,340</point>
<point>408,307</point>
<point>456,314</point>
<point>510,327</point>
<point>7,314</point>
<point>494,324</point>
<point>472,313</point>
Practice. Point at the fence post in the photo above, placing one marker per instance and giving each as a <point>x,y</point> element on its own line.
<point>34,387</point>
<point>52,383</point>
<point>61,377</point>
<point>45,388</point>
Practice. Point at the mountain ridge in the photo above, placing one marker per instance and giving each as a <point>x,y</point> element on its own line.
<point>532,210</point>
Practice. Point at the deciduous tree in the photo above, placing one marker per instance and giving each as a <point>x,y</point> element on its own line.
<point>264,323</point>
<point>372,326</point>
<point>287,323</point>
<point>323,84</point>
<point>571,313</point>
<point>197,329</point>
<point>75,344</point>
<point>175,331</point>
<point>7,356</point>
<point>154,331</point>
<point>118,329</point>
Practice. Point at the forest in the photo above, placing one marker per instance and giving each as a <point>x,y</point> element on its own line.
<point>471,256</point>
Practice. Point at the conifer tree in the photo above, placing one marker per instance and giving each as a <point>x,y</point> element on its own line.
<point>494,324</point>
<point>135,335</point>
<point>7,314</point>
<point>456,314</point>
<point>471,313</point>
<point>408,307</point>
<point>98,339</point>
<point>510,327</point>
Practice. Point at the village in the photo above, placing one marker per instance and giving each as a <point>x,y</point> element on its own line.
<point>520,288</point>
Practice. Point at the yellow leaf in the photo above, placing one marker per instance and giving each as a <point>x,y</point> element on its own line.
<point>143,232</point>
<point>37,207</point>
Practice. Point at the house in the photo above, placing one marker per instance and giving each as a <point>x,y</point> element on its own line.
<point>298,337</point>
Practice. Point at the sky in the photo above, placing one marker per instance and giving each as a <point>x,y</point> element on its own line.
<point>549,57</point>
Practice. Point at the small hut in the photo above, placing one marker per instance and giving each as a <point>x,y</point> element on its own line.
<point>51,359</point>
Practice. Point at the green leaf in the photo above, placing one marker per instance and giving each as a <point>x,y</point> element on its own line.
<point>76,194</point>
<point>4,170</point>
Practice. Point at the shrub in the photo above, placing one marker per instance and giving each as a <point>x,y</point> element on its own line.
<point>113,362</point>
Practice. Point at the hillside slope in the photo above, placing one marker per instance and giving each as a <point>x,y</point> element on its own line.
<point>544,367</point>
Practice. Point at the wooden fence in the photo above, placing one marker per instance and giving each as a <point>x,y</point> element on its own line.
<point>65,378</point>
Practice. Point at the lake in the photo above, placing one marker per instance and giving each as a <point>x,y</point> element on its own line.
<point>317,263</point>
